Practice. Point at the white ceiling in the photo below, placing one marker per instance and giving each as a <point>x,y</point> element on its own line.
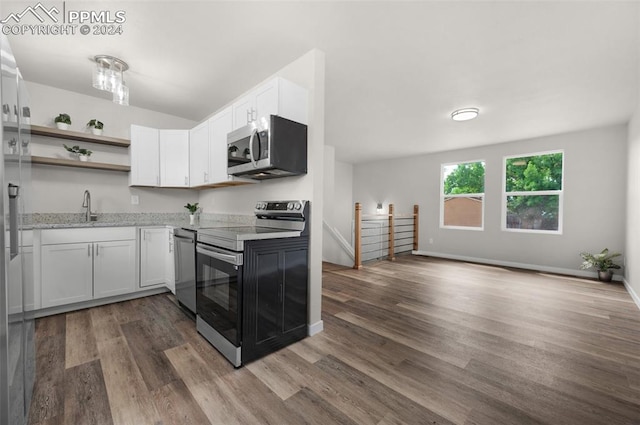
<point>394,70</point>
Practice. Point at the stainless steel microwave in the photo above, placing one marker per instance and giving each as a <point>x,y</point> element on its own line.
<point>276,147</point>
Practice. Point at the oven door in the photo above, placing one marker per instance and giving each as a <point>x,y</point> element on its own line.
<point>219,290</point>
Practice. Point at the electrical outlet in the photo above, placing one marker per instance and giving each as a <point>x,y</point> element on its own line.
<point>135,199</point>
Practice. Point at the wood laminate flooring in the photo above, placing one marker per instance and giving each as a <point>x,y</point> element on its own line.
<point>417,341</point>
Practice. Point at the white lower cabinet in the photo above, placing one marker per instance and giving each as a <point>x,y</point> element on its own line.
<point>20,285</point>
<point>154,254</point>
<point>114,268</point>
<point>67,274</point>
<point>83,264</point>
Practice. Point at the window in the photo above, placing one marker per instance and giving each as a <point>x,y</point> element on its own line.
<point>462,195</point>
<point>532,197</point>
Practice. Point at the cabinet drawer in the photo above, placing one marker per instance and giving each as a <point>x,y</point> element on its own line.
<point>58,236</point>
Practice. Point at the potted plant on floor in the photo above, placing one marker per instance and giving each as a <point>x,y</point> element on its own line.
<point>193,208</point>
<point>95,126</point>
<point>603,262</point>
<point>63,121</point>
<point>78,152</point>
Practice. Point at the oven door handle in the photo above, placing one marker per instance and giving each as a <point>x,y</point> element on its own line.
<point>235,259</point>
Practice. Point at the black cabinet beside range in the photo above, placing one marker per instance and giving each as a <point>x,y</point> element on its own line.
<point>275,288</point>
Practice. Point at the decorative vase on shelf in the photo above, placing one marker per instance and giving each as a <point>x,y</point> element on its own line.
<point>62,126</point>
<point>192,219</point>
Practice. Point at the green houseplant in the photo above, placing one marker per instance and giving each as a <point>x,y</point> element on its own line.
<point>95,126</point>
<point>63,121</point>
<point>602,262</point>
<point>193,208</point>
<point>78,152</point>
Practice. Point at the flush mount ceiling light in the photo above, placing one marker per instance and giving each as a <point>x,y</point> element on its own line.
<point>108,75</point>
<point>465,114</point>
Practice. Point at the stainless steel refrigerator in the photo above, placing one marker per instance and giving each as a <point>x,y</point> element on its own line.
<point>17,324</point>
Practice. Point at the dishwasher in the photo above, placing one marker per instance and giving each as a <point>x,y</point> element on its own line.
<point>185,257</point>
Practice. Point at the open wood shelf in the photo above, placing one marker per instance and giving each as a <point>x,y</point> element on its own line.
<point>37,130</point>
<point>79,164</point>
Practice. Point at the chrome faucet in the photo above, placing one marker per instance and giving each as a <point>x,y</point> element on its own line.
<point>86,203</point>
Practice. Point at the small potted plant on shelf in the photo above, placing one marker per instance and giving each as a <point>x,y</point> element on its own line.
<point>78,152</point>
<point>602,262</point>
<point>247,153</point>
<point>233,151</point>
<point>63,121</point>
<point>95,126</point>
<point>193,208</point>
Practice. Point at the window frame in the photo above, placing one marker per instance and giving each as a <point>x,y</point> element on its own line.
<point>462,195</point>
<point>559,193</point>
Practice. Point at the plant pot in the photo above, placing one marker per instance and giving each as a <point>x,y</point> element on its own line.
<point>83,158</point>
<point>192,219</point>
<point>96,131</point>
<point>62,126</point>
<point>605,275</point>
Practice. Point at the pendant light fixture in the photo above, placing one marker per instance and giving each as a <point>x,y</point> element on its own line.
<point>108,75</point>
<point>465,114</point>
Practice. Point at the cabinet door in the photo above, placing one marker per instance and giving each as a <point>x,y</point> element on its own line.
<point>199,155</point>
<point>174,158</point>
<point>266,101</point>
<point>153,248</point>
<point>275,287</point>
<point>295,269</point>
<point>243,110</point>
<point>145,156</point>
<point>114,268</point>
<point>67,273</point>
<point>219,126</point>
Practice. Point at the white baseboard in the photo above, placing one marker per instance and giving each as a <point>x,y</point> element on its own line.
<point>536,267</point>
<point>315,328</point>
<point>632,292</point>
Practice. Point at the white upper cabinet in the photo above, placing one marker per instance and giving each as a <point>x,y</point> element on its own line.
<point>199,155</point>
<point>219,126</point>
<point>243,110</point>
<point>276,97</point>
<point>209,155</point>
<point>174,158</point>
<point>145,156</point>
<point>159,157</point>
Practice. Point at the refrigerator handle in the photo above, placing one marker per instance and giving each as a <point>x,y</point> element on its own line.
<point>13,219</point>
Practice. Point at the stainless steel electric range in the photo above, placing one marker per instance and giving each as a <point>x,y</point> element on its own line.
<point>252,282</point>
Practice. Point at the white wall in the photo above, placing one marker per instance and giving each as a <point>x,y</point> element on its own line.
<point>632,248</point>
<point>308,72</point>
<point>60,189</point>
<point>338,209</point>
<point>594,200</point>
